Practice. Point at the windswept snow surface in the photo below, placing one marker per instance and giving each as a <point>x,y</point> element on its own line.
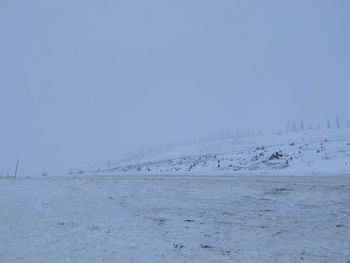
<point>175,219</point>
<point>191,203</point>
<point>308,152</point>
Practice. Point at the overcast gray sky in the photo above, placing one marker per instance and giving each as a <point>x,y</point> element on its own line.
<point>85,81</point>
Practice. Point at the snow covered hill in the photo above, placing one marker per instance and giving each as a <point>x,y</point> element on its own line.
<point>325,151</point>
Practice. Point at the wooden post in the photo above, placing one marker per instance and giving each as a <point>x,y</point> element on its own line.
<point>16,168</point>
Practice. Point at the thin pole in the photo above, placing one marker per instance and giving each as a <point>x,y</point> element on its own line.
<point>109,170</point>
<point>16,169</point>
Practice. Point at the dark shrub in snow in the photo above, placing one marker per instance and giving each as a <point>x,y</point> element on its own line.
<point>276,155</point>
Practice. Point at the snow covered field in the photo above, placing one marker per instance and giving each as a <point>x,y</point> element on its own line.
<point>175,219</point>
<point>213,201</point>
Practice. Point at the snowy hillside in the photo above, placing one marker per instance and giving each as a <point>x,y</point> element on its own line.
<point>325,151</point>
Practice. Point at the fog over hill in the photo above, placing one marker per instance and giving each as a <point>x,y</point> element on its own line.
<point>174,131</point>
<point>303,152</point>
<point>82,83</point>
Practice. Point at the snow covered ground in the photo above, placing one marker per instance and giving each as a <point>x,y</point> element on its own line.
<point>175,219</point>
<point>307,152</point>
<point>212,201</point>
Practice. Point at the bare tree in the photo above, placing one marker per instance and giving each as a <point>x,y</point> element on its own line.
<point>337,121</point>
<point>328,123</point>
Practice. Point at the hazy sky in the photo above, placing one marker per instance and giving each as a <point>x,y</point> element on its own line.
<point>85,81</point>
